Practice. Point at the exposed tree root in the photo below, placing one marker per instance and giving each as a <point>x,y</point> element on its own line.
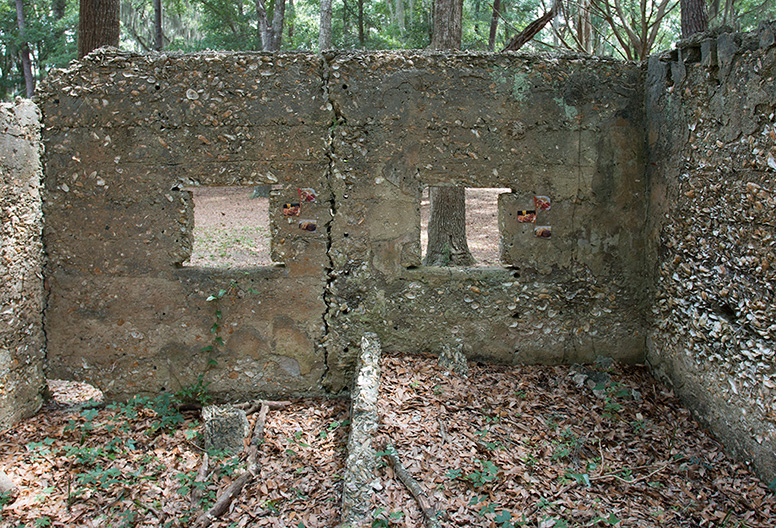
<point>429,512</point>
<point>255,405</point>
<point>196,491</point>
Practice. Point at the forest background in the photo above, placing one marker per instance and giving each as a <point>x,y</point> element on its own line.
<point>47,31</point>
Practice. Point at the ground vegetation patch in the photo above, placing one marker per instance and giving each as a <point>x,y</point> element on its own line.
<point>140,464</point>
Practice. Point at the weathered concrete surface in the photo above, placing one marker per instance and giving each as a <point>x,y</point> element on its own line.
<point>567,128</point>
<point>124,314</point>
<point>125,134</point>
<point>22,383</point>
<point>712,140</point>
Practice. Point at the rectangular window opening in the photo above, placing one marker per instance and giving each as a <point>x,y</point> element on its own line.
<point>231,227</point>
<point>482,232</point>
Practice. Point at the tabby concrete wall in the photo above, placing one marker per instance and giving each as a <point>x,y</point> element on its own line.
<point>352,139</point>
<point>712,140</point>
<point>22,383</point>
<point>567,128</point>
<point>125,134</point>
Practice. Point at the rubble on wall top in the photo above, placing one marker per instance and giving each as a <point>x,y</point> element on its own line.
<point>761,38</point>
<point>333,55</point>
<point>110,56</point>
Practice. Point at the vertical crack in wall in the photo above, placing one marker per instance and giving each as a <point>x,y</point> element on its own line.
<point>45,285</point>
<point>573,336</point>
<point>331,276</point>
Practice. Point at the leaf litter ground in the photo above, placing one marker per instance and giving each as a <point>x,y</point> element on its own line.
<point>555,447</point>
<point>539,446</point>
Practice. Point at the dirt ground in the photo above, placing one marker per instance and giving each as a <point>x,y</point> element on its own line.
<point>231,229</point>
<point>535,446</point>
<point>556,447</point>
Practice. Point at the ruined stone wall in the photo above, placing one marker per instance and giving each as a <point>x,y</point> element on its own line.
<point>712,167</point>
<point>567,129</point>
<point>349,141</point>
<point>125,134</point>
<point>22,384</point>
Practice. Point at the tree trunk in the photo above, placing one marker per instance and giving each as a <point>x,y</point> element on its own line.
<point>158,38</point>
<point>278,17</point>
<point>694,17</point>
<point>494,25</point>
<point>447,245</point>
<point>324,36</point>
<point>400,16</point>
<point>531,30</point>
<point>345,18</point>
<point>58,9</point>
<point>447,24</point>
<point>584,26</point>
<point>24,51</point>
<point>361,39</point>
<point>290,23</point>
<point>98,25</point>
<point>265,31</point>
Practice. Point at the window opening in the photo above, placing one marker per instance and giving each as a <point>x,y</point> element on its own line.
<point>231,227</point>
<point>482,233</point>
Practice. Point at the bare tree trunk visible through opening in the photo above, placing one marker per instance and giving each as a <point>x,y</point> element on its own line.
<point>98,25</point>
<point>24,51</point>
<point>158,40</point>
<point>324,37</point>
<point>694,17</point>
<point>447,245</point>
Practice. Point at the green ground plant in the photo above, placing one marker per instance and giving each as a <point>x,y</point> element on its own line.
<point>382,518</point>
<point>93,460</point>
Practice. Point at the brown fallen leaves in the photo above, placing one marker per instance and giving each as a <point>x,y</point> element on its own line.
<point>514,446</point>
<point>505,446</point>
<point>100,468</point>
